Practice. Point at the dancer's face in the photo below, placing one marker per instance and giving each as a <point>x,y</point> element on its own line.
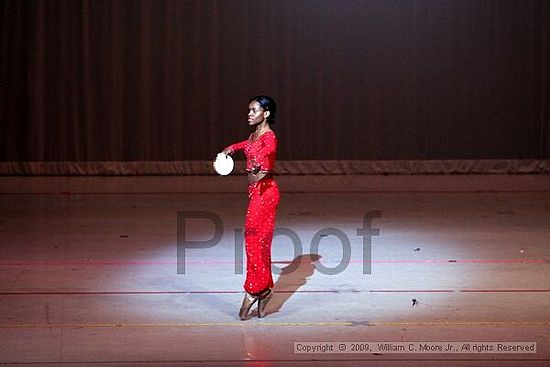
<point>256,114</point>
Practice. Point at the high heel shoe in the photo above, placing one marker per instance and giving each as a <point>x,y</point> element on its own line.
<point>248,301</point>
<point>263,299</point>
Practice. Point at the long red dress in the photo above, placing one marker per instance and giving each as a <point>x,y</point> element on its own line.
<point>260,216</point>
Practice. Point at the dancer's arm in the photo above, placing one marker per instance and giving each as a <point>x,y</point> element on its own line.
<point>234,147</point>
<point>266,152</point>
<point>265,156</point>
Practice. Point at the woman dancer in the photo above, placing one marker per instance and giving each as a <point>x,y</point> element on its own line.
<point>260,150</point>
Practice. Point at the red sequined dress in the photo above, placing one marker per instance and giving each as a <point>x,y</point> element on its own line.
<point>260,216</point>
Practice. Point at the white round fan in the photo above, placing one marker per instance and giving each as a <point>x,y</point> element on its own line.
<point>223,164</point>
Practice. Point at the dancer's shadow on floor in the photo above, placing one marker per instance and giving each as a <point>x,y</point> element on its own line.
<point>292,277</point>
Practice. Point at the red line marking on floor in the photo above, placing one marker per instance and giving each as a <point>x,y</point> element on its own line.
<point>504,261</point>
<point>504,290</point>
<point>465,261</point>
<point>85,293</point>
<point>231,262</point>
<point>144,193</point>
<point>318,291</point>
<point>411,291</point>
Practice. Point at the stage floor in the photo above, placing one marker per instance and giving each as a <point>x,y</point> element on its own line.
<point>89,271</point>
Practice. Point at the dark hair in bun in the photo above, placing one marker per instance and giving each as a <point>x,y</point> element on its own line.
<point>268,104</point>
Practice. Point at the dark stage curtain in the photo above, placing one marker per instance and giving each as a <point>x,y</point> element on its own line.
<point>169,80</point>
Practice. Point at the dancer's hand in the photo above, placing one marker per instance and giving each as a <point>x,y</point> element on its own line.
<point>227,151</point>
